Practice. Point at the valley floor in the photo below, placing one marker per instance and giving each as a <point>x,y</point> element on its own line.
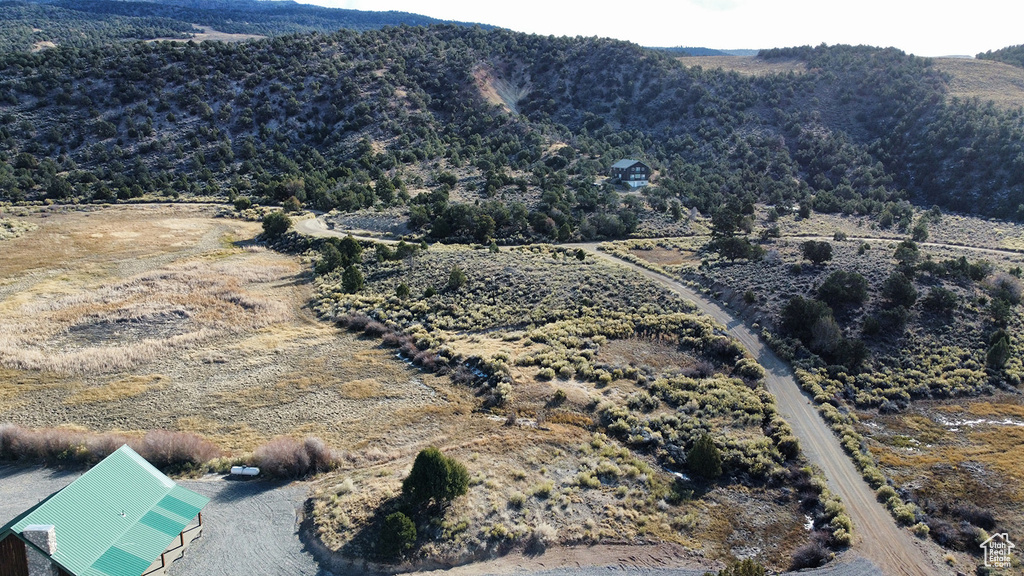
<point>130,318</point>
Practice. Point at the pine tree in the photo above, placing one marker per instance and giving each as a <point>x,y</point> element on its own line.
<point>352,279</point>
<point>396,536</point>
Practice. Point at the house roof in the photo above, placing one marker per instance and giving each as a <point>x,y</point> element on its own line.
<point>626,163</point>
<point>115,519</point>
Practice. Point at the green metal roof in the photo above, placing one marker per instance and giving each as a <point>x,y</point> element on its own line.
<point>115,519</point>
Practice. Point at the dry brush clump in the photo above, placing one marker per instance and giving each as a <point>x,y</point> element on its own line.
<point>286,457</point>
<point>13,228</point>
<point>168,450</point>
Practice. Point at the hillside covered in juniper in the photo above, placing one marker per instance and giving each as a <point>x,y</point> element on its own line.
<point>480,134</point>
<point>36,24</point>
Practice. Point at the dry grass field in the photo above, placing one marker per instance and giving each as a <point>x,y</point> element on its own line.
<point>746,65</point>
<point>133,318</point>
<point>984,79</point>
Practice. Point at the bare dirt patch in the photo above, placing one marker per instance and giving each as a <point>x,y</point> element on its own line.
<point>43,45</point>
<point>499,90</point>
<point>656,355</point>
<point>749,65</point>
<point>666,257</point>
<point>207,33</point>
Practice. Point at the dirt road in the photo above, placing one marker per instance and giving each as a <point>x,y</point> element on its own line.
<point>316,227</point>
<point>878,538</point>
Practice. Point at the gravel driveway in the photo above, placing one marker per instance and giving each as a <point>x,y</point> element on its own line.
<point>251,529</point>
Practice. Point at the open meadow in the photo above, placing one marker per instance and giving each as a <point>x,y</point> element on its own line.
<point>162,316</point>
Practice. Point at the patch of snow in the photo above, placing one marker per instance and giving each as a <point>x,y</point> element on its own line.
<point>955,424</point>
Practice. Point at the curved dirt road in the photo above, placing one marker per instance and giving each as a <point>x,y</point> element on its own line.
<point>878,538</point>
<point>316,227</point>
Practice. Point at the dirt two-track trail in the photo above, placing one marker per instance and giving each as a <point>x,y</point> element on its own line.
<point>876,536</point>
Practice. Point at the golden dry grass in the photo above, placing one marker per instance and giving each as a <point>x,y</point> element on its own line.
<point>1011,408</point>
<point>122,324</point>
<point>129,387</point>
<point>95,303</point>
<point>984,79</point>
<point>957,453</point>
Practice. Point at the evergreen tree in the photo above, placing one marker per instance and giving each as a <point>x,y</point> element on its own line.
<point>275,224</point>
<point>330,259</point>
<point>352,279</point>
<point>396,536</point>
<point>435,478</point>
<point>817,252</point>
<point>457,278</point>
<point>704,459</point>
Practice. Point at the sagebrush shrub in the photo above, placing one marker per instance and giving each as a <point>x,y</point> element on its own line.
<point>169,450</point>
<point>286,457</point>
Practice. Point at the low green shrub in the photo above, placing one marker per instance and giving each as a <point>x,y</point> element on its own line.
<point>397,536</point>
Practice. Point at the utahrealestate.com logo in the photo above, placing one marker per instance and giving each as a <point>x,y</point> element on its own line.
<point>997,551</point>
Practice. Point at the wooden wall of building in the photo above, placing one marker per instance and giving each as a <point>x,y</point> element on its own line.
<point>13,561</point>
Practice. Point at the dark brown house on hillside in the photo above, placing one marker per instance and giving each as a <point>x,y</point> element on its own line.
<point>632,173</point>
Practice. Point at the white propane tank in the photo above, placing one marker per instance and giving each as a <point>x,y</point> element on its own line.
<point>244,471</point>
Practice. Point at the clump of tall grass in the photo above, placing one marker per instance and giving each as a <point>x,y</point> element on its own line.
<point>176,451</point>
<point>167,450</point>
<point>286,457</point>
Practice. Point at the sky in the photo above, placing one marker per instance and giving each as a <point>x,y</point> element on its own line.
<point>921,27</point>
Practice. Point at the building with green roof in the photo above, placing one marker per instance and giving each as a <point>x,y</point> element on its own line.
<point>121,518</point>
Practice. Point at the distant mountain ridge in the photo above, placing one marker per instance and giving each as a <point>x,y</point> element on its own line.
<point>37,24</point>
